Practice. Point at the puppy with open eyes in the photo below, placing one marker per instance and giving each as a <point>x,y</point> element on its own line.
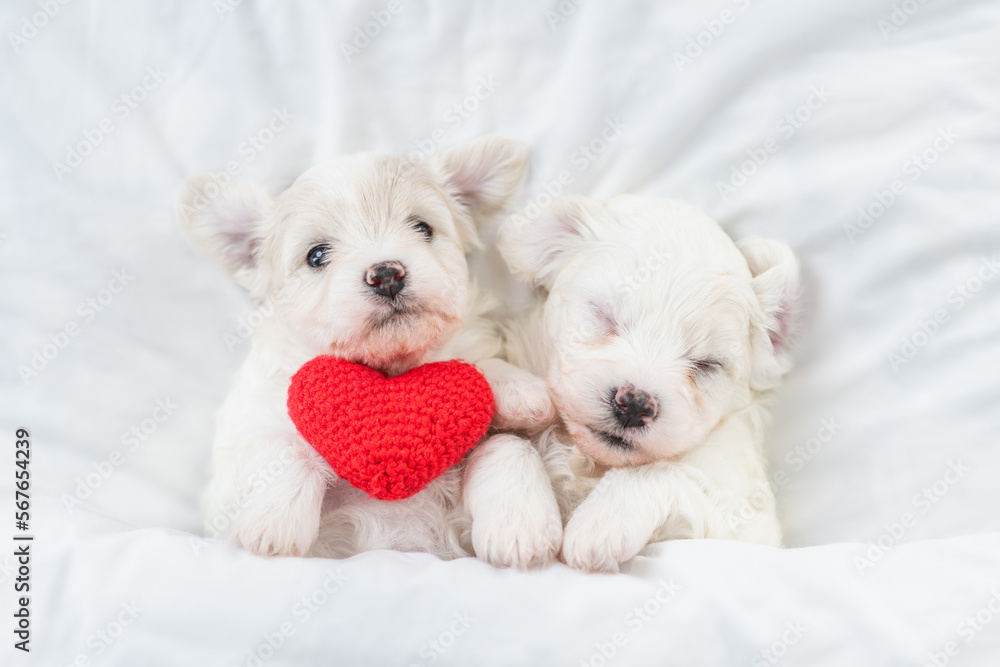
<point>662,342</point>
<point>364,258</point>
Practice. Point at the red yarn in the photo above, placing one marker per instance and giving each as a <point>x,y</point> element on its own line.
<point>390,436</point>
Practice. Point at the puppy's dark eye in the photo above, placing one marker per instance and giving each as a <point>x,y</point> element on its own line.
<point>707,367</point>
<point>423,228</point>
<point>317,257</point>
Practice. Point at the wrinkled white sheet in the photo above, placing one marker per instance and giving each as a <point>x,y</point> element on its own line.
<point>867,447</point>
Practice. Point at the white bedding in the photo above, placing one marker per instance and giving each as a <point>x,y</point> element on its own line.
<point>891,450</point>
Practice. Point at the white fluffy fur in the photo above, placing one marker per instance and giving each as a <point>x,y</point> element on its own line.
<point>652,294</point>
<point>270,492</point>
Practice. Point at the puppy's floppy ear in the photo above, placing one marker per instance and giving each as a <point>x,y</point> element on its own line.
<point>224,223</point>
<point>775,272</point>
<point>537,243</point>
<point>484,173</point>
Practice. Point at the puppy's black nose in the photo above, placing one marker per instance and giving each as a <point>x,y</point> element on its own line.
<point>386,278</point>
<point>632,408</point>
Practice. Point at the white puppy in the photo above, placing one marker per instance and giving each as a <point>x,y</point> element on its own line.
<point>661,341</point>
<point>364,258</point>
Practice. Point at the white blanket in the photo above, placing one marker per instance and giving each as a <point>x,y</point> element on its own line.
<point>864,133</point>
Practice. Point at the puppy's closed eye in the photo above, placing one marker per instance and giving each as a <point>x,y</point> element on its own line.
<point>604,317</point>
<point>707,367</point>
<point>422,227</point>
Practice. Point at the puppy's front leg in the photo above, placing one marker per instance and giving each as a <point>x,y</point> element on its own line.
<point>522,399</point>
<point>278,488</point>
<point>619,517</point>
<point>508,495</point>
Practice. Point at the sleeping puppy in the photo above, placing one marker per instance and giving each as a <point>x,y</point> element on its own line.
<point>661,341</point>
<point>364,258</point>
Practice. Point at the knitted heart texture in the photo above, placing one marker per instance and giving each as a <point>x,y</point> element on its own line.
<point>390,436</point>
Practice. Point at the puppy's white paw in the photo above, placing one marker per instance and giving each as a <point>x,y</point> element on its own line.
<point>599,541</point>
<point>523,403</point>
<point>278,524</point>
<point>524,535</point>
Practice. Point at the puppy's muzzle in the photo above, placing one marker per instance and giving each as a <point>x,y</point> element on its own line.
<point>633,408</point>
<point>386,279</point>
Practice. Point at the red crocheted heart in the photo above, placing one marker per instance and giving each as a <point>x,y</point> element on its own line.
<point>390,436</point>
